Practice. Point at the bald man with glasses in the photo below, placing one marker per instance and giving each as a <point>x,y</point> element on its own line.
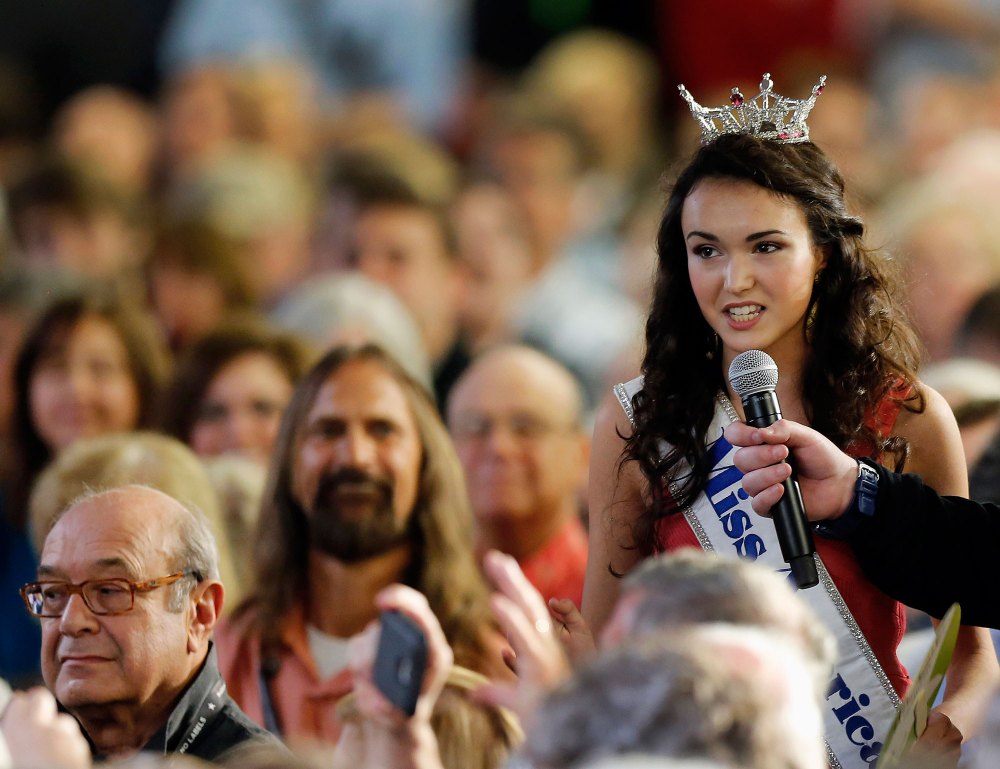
<point>128,595</point>
<point>516,418</point>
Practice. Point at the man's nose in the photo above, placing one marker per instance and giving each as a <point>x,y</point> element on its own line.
<point>77,618</point>
<point>501,438</point>
<point>355,449</point>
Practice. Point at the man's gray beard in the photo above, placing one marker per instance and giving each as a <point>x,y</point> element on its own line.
<point>351,541</point>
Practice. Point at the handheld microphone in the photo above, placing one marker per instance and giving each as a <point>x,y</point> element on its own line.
<point>754,377</point>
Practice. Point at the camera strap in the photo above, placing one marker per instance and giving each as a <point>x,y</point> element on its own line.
<point>209,710</point>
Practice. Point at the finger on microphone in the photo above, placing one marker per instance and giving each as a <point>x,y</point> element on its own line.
<point>755,457</point>
<point>756,481</point>
<point>743,435</point>
<point>763,502</point>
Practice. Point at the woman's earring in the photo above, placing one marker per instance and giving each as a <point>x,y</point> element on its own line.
<point>810,322</point>
<point>715,347</point>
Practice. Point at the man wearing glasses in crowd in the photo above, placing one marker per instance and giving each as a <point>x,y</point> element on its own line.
<point>128,596</point>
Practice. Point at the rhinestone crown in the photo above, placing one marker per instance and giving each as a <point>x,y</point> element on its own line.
<point>768,115</point>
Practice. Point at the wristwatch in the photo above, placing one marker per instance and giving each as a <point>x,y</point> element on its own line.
<point>862,507</point>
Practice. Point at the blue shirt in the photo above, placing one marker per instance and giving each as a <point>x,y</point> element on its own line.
<point>413,48</point>
<point>20,633</point>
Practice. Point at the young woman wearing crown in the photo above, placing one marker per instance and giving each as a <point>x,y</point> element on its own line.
<point>757,251</point>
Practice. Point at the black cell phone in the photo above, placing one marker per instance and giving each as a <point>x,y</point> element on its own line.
<point>400,661</point>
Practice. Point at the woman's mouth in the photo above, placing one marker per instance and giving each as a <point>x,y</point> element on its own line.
<point>744,313</point>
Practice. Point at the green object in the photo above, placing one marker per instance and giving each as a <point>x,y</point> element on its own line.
<point>911,718</point>
<point>559,15</point>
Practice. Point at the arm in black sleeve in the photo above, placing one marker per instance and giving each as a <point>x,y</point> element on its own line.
<point>929,551</point>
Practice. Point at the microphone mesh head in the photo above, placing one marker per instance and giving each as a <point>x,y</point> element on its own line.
<point>752,372</point>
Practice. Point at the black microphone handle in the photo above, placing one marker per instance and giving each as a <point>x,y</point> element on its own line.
<point>789,514</point>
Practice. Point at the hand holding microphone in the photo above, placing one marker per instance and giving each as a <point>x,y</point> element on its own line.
<point>754,377</point>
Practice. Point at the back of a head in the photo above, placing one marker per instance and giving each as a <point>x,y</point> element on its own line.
<point>244,193</point>
<point>524,116</point>
<point>693,587</point>
<point>239,486</point>
<point>115,460</point>
<point>971,386</point>
<point>347,307</point>
<point>736,695</point>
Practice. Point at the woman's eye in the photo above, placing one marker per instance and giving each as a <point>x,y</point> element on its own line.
<point>705,252</point>
<point>768,248</point>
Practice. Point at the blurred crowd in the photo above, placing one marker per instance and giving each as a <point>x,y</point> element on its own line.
<point>200,199</point>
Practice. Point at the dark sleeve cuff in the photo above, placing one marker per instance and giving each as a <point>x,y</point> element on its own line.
<point>862,507</point>
<point>929,551</point>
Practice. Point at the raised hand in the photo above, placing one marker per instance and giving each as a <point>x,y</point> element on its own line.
<point>384,735</point>
<point>541,661</point>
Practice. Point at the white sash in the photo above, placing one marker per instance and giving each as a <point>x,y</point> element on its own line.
<point>860,702</point>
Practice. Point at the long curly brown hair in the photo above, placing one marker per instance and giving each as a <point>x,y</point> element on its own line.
<point>862,348</point>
